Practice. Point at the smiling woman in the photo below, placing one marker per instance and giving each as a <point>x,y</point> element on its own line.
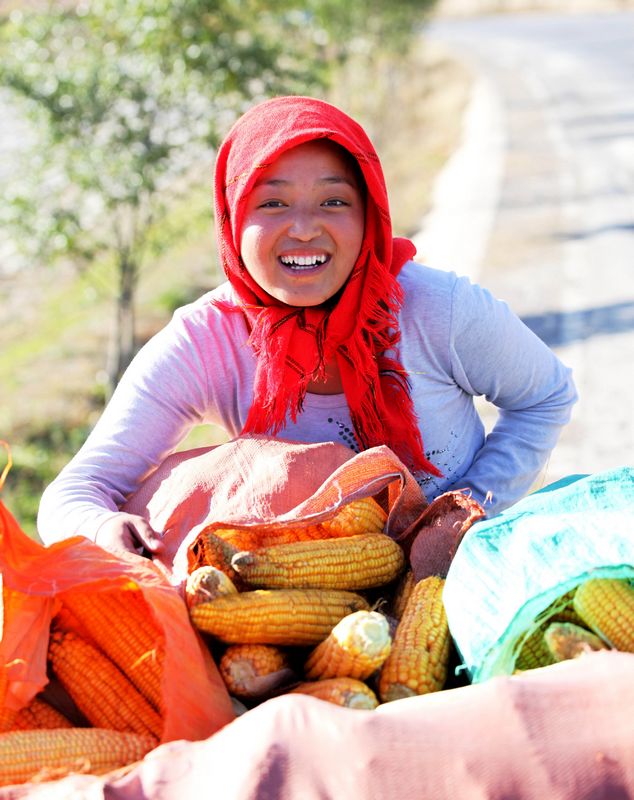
<point>326,330</point>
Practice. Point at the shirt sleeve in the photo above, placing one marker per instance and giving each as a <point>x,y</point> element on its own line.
<point>495,355</point>
<point>163,393</point>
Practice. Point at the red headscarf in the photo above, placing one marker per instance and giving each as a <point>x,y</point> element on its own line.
<point>293,344</point>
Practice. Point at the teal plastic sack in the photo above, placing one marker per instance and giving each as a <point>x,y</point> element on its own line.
<point>510,568</point>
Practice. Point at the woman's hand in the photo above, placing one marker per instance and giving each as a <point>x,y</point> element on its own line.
<point>129,532</point>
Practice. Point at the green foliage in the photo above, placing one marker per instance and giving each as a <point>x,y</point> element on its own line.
<point>126,100</point>
<point>369,25</point>
<point>36,461</point>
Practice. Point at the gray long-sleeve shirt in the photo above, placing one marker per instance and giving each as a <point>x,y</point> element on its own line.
<point>457,342</point>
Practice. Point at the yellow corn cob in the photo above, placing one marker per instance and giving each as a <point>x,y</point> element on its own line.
<point>357,516</point>
<point>39,714</point>
<point>7,719</point>
<point>402,593</point>
<point>251,670</point>
<point>209,549</point>
<point>207,583</point>
<point>285,616</point>
<point>566,640</point>
<point>563,610</point>
<point>419,658</point>
<point>348,692</point>
<point>50,754</point>
<point>244,538</point>
<point>355,648</point>
<point>100,690</point>
<point>119,622</point>
<point>354,562</point>
<point>534,652</point>
<point>606,606</point>
<point>65,620</point>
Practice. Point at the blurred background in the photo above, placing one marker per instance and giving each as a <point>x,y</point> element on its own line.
<point>505,127</point>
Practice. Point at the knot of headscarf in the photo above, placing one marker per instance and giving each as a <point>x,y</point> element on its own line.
<point>294,344</point>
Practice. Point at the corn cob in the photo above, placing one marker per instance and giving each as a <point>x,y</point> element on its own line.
<point>7,719</point>
<point>65,620</point>
<point>401,594</point>
<point>39,714</point>
<point>207,583</point>
<point>285,616</point>
<point>38,755</point>
<point>355,648</point>
<point>120,624</point>
<point>101,691</point>
<point>211,550</point>
<point>534,652</point>
<point>348,692</point>
<point>251,670</point>
<point>419,658</point>
<point>354,562</point>
<point>607,607</point>
<point>566,640</point>
<point>357,516</point>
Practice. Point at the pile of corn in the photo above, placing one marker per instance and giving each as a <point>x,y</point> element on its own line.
<point>598,614</point>
<point>102,707</point>
<point>329,610</point>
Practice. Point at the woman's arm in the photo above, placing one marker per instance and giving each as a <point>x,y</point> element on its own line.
<point>495,355</point>
<point>161,396</point>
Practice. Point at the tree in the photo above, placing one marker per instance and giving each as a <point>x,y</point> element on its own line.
<point>127,97</point>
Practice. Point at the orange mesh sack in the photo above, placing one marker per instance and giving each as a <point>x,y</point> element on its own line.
<point>101,599</point>
<point>258,483</point>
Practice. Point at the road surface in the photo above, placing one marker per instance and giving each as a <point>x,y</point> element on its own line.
<point>538,204</point>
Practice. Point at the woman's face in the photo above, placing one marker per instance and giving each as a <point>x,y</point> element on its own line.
<point>303,224</point>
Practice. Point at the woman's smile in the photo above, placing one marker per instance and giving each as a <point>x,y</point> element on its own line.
<point>304,265</point>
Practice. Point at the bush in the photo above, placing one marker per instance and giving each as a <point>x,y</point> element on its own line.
<point>37,459</point>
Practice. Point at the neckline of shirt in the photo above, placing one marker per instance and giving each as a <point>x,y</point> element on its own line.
<point>325,400</point>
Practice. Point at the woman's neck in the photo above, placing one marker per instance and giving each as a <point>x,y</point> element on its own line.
<point>331,384</point>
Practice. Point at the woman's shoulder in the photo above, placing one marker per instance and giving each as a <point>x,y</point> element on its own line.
<point>210,308</point>
<point>438,288</point>
<point>415,275</point>
<point>221,293</point>
<point>426,285</point>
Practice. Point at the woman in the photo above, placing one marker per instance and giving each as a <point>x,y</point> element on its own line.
<point>325,330</point>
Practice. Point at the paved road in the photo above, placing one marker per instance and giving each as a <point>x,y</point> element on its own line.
<point>540,201</point>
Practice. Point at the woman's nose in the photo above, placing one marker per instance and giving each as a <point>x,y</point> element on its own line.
<point>304,226</point>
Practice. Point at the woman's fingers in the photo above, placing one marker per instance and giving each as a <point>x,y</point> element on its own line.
<point>129,532</point>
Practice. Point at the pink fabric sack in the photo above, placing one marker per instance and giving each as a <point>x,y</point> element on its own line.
<point>256,480</point>
<point>562,732</point>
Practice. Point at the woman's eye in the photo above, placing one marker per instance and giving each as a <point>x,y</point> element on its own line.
<point>335,202</point>
<point>271,204</point>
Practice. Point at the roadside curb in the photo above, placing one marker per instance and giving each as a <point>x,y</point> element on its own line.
<point>455,233</point>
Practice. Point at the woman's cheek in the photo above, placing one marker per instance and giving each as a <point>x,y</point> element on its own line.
<point>255,248</point>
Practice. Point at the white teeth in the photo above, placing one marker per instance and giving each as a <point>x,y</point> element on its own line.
<point>303,261</point>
